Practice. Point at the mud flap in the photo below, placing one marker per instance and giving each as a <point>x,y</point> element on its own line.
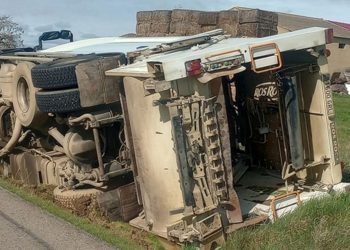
<point>95,88</point>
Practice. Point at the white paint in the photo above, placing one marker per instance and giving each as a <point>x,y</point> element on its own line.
<point>109,44</point>
<point>347,85</point>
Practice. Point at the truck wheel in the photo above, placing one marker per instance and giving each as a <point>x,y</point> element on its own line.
<point>24,102</point>
<point>60,74</point>
<point>80,200</point>
<point>54,77</point>
<point>59,101</point>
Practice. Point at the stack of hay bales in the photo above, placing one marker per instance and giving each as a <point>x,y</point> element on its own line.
<point>228,20</point>
<point>236,22</point>
<point>153,23</point>
<point>257,23</point>
<point>184,22</point>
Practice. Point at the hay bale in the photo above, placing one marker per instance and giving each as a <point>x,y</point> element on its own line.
<point>257,16</point>
<point>185,16</point>
<point>230,29</point>
<point>207,28</point>
<point>228,21</point>
<point>144,16</point>
<point>155,34</point>
<point>160,28</point>
<point>208,18</point>
<point>252,23</point>
<point>184,28</point>
<point>148,28</point>
<point>228,17</point>
<point>143,29</point>
<point>157,15</point>
<point>256,30</point>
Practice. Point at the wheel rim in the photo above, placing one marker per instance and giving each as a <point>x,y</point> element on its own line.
<point>23,95</point>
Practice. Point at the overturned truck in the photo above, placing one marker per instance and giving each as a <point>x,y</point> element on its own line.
<point>227,132</point>
<point>209,133</point>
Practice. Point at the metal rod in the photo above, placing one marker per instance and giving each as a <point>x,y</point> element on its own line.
<point>57,135</point>
<point>96,139</point>
<point>22,58</point>
<point>98,151</point>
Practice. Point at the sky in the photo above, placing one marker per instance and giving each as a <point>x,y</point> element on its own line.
<point>98,18</point>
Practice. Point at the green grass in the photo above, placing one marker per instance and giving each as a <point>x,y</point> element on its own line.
<point>99,231</point>
<point>342,109</point>
<point>319,224</point>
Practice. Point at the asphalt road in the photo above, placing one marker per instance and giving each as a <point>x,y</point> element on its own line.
<point>25,226</point>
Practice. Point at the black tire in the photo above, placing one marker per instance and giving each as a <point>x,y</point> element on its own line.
<point>59,101</point>
<point>60,74</point>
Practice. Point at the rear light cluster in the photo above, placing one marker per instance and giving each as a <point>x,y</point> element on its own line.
<point>193,67</point>
<point>196,67</point>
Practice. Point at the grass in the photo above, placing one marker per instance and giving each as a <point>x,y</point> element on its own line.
<point>319,224</point>
<point>342,108</point>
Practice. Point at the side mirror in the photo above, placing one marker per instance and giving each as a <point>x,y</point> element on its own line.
<point>53,35</point>
<point>67,34</point>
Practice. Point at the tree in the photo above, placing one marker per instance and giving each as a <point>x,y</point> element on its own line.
<point>10,33</point>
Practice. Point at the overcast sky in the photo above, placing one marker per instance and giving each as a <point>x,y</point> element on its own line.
<point>96,18</point>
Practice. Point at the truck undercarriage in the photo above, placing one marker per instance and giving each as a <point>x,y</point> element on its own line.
<point>57,138</point>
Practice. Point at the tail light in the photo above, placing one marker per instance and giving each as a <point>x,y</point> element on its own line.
<point>329,36</point>
<point>193,67</point>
